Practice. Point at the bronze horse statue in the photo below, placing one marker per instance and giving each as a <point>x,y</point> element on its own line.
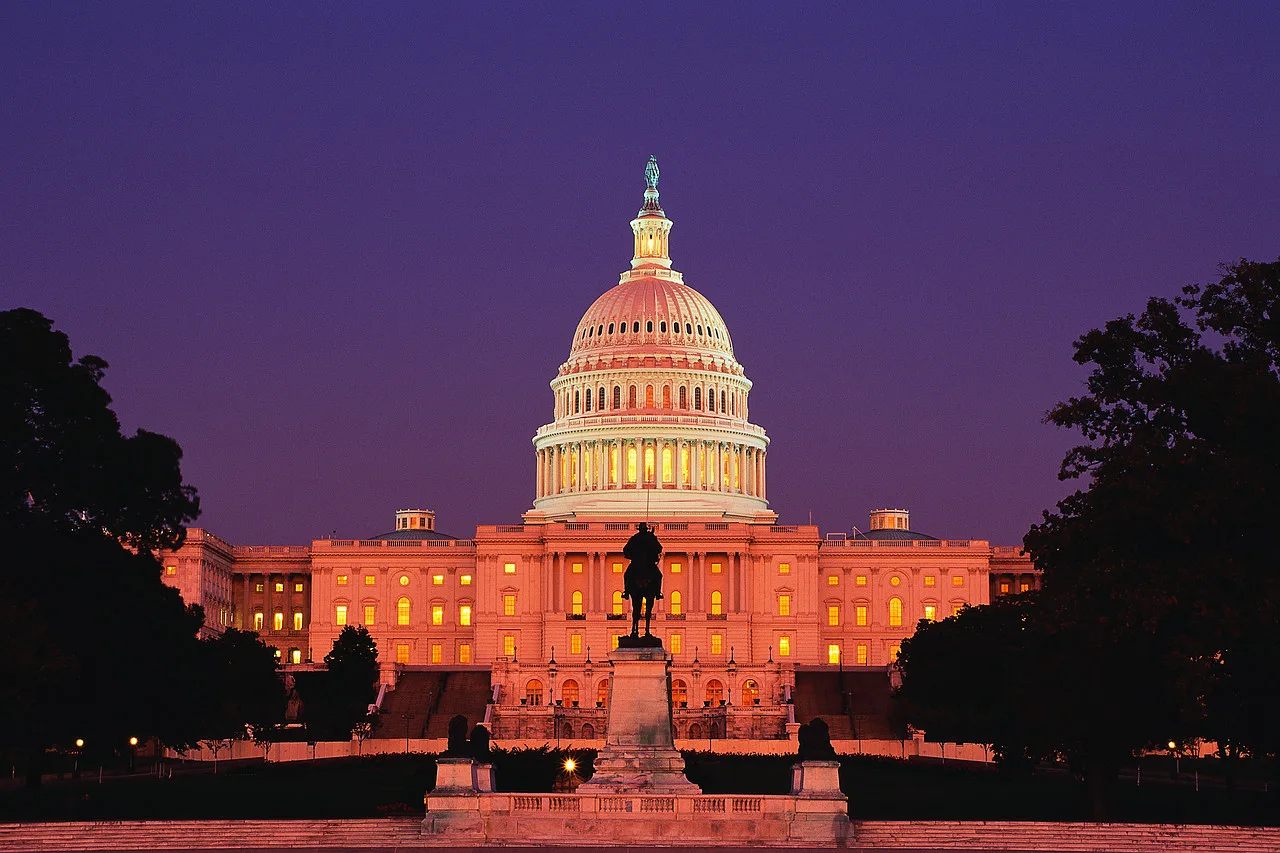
<point>642,583</point>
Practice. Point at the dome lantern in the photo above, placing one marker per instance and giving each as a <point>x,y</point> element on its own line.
<point>651,225</point>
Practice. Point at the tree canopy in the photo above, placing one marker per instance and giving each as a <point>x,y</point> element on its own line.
<point>336,701</point>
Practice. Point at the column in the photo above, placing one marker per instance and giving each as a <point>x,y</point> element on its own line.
<point>658,446</point>
<point>578,456</point>
<point>620,463</point>
<point>676,469</point>
<point>538,487</point>
<point>742,468</point>
<point>764,483</point>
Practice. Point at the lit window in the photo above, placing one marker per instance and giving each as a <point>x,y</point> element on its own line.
<point>437,614</point>
<point>602,693</point>
<point>930,580</point>
<point>860,580</point>
<point>715,692</point>
<point>895,612</point>
<point>895,580</point>
<point>616,638</point>
<point>930,612</point>
<point>340,618</point>
<point>342,580</point>
<point>370,580</point>
<point>404,580</point>
<point>833,580</point>
<point>617,568</point>
<point>631,461</point>
<point>679,694</point>
<point>1024,586</point>
<point>402,653</point>
<point>676,604</point>
<point>257,620</point>
<point>860,615</point>
<point>508,605</point>
<point>617,602</point>
<point>833,653</point>
<point>677,644</point>
<point>716,607</point>
<point>861,654</point>
<point>295,655</point>
<point>437,653</point>
<point>369,611</point>
<point>436,580</point>
<point>956,608</point>
<point>297,620</point>
<point>170,570</point>
<point>716,568</point>
<point>464,653</point>
<point>276,652</point>
<point>297,587</point>
<point>464,615</point>
<point>833,614</point>
<point>465,580</point>
<point>509,568</point>
<point>576,568</point>
<point>509,645</point>
<point>784,605</point>
<point>675,568</point>
<point>784,647</point>
<point>717,644</point>
<point>575,644</point>
<point>279,586</point>
<point>277,621</point>
<point>1004,586</point>
<point>784,568</point>
<point>957,580</point>
<point>257,587</point>
<point>894,651</point>
<point>575,606</point>
<point>402,611</point>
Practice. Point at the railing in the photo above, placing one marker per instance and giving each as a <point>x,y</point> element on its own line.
<point>617,525</point>
<point>727,424</point>
<point>785,528</point>
<point>576,525</point>
<point>676,525</point>
<point>902,543</point>
<point>510,528</point>
<point>716,525</point>
<point>397,543</point>
<point>679,617</point>
<point>575,617</point>
<point>717,617</point>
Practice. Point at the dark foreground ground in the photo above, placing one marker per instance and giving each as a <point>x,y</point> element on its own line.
<point>393,785</point>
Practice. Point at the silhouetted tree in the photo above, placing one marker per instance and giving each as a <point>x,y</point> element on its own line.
<point>240,687</point>
<point>338,700</point>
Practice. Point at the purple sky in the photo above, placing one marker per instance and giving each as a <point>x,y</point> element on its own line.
<point>338,252</point>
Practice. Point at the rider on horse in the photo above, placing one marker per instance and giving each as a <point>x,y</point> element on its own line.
<point>643,580</point>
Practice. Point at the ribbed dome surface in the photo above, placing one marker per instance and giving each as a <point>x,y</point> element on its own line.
<point>649,310</point>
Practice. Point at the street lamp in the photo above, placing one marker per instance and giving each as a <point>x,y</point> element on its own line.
<point>75,767</point>
<point>133,752</point>
<point>1177,758</point>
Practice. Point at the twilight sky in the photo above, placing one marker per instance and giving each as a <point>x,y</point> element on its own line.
<point>338,251</point>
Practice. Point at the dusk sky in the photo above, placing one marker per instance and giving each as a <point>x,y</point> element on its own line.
<point>338,252</point>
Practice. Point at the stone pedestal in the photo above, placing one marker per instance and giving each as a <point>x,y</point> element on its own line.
<point>639,755</point>
<point>453,806</point>
<point>822,810</point>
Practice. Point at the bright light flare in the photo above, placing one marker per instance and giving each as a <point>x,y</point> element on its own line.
<point>570,765</point>
<point>133,741</point>
<point>79,743</point>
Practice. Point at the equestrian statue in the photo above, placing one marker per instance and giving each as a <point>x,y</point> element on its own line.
<point>642,582</point>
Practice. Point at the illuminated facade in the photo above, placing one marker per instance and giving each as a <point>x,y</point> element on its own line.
<point>650,419</point>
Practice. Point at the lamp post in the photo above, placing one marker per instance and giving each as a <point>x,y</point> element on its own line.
<point>133,752</point>
<point>75,765</point>
<point>1177,758</point>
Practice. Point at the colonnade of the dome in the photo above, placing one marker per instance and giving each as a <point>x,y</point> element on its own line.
<point>700,465</point>
<point>716,394</point>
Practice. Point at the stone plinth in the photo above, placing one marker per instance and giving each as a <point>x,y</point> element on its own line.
<point>453,806</point>
<point>639,755</point>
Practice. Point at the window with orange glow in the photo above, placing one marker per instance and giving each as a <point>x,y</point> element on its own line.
<point>895,612</point>
<point>277,621</point>
<point>575,644</point>
<point>833,615</point>
<point>784,605</point>
<point>717,644</point>
<point>509,605</point>
<point>716,607</point>
<point>437,653</point>
<point>833,653</point>
<point>861,654</point>
<point>402,653</point>
<point>784,646</point>
<point>464,615</point>
<point>617,602</point>
<point>509,645</point>
<point>675,603</point>
<point>369,611</point>
<point>464,653</point>
<point>340,615</point>
<point>437,614</point>
<point>860,615</point>
<point>576,606</point>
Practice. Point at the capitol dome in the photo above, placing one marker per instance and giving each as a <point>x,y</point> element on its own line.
<point>650,410</point>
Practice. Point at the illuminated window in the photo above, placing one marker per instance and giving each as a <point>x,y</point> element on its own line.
<point>675,603</point>
<point>436,580</point>
<point>369,611</point>
<point>666,465</point>
<point>784,568</point>
<point>295,655</point>
<point>716,607</point>
<point>576,606</point>
<point>370,580</point>
<point>861,654</point>
<point>402,611</point>
<point>437,653</point>
<point>437,614</point>
<point>276,652</point>
<point>679,693</point>
<point>617,568</point>
<point>717,644</point>
<point>170,570</point>
<point>575,644</point>
<point>860,615</point>
<point>509,605</point>
<point>569,693</point>
<point>464,653</point>
<point>1004,586</point>
<point>616,639</point>
<point>716,568</point>
<point>617,602</point>
<point>894,651</point>
<point>279,586</point>
<point>784,605</point>
<point>956,608</point>
<point>464,615</point>
<point>576,568</point>
<point>784,646</point>
<point>675,568</point>
<point>833,580</point>
<point>895,612</point>
<point>930,612</point>
<point>297,620</point>
<point>750,692</point>
<point>860,580</point>
<point>833,614</point>
<point>277,621</point>
<point>402,652</point>
<point>684,463</point>
<point>715,692</point>
<point>297,587</point>
<point>666,396</point>
<point>895,580</point>
<point>930,580</point>
<point>465,580</point>
<point>257,587</point>
<point>631,464</point>
<point>509,645</point>
<point>677,644</point>
<point>602,694</point>
<point>342,580</point>
<point>508,568</point>
<point>957,580</point>
<point>340,618</point>
<point>1024,586</point>
<point>257,620</point>
<point>833,653</point>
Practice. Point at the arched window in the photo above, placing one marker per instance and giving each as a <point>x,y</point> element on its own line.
<point>600,331</point>
<point>679,694</point>
<point>588,731</point>
<point>648,326</point>
<point>895,612</point>
<point>722,409</point>
<point>699,330</point>
<point>617,396</point>
<point>715,692</point>
<point>711,399</point>
<point>635,327</point>
<point>631,464</point>
<point>602,694</point>
<point>611,328</point>
<point>533,692</point>
<point>600,398</point>
<point>577,402</point>
<point>750,692</point>
<point>662,327</point>
<point>631,397</point>
<point>648,464</point>
<point>402,612</point>
<point>569,693</point>
<point>617,602</point>
<point>566,731</point>
<point>716,603</point>
<point>697,399</point>
<point>576,606</point>
<point>675,604</point>
<point>588,400</point>
<point>695,732</point>
<point>684,397</point>
<point>648,396</point>
<point>666,396</point>
<point>666,464</point>
<point>688,330</point>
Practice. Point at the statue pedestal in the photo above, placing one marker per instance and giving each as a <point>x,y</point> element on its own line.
<point>639,755</point>
<point>453,805</point>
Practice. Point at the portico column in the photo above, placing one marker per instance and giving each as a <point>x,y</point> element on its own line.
<point>581,484</point>
<point>699,580</point>
<point>658,446</point>
<point>558,583</point>
<point>742,468</point>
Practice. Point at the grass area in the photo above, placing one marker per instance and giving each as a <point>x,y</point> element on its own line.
<point>394,785</point>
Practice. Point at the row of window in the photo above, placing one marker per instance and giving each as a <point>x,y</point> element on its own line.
<point>404,580</point>
<point>278,586</point>
<point>690,329</point>
<point>404,613</point>
<point>571,693</point>
<point>581,400</point>
<point>435,651</point>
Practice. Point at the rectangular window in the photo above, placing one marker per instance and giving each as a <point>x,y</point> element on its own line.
<point>784,646</point>
<point>860,615</point>
<point>257,620</point>
<point>342,580</point>
<point>930,580</point>
<point>368,614</point>
<point>860,580</point>
<point>277,621</point>
<point>170,570</point>
<point>340,617</point>
<point>930,612</point>
<point>257,587</point>
<point>716,568</point>
<point>575,644</point>
<point>464,653</point>
<point>295,656</point>
<point>508,568</point>
<point>464,615</point>
<point>437,614</point>
<point>1024,586</point>
<point>833,653</point>
<point>675,568</point>
<point>576,568</point>
<point>618,637</point>
<point>509,645</point>
<point>861,654</point>
<point>617,568</point>
<point>677,644</point>
<point>955,609</point>
<point>1004,586</point>
<point>465,580</point>
<point>297,587</point>
<point>717,644</point>
<point>508,605</point>
<point>833,615</point>
<point>402,652</point>
<point>957,580</point>
<point>437,580</point>
<point>437,653</point>
<point>893,653</point>
<point>370,580</point>
<point>784,568</point>
<point>279,586</point>
<point>784,605</point>
<point>833,580</point>
<point>297,620</point>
